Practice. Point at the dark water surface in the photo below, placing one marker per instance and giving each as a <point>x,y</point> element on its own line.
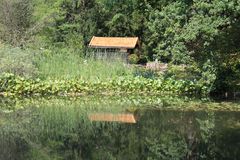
<point>127,128</point>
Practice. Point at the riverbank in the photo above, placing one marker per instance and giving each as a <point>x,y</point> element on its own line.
<point>61,72</point>
<point>121,103</point>
<point>15,85</point>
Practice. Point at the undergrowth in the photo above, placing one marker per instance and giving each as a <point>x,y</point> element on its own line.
<point>15,85</point>
<point>71,66</point>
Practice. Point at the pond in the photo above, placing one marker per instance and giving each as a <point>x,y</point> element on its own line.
<point>119,128</point>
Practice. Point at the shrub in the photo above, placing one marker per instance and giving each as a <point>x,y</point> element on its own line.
<point>15,20</point>
<point>133,59</point>
<point>17,61</point>
<point>177,71</point>
<point>146,73</point>
<point>142,59</point>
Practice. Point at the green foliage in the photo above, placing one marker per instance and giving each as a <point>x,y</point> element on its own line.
<point>178,71</point>
<point>14,85</point>
<point>228,74</point>
<point>119,25</point>
<point>208,77</point>
<point>133,59</point>
<point>78,17</point>
<point>17,61</point>
<point>146,73</point>
<point>64,64</point>
<point>185,30</point>
<point>194,32</point>
<point>207,127</point>
<point>15,20</point>
<point>179,32</point>
<point>142,59</point>
<point>165,25</point>
<point>204,76</point>
<point>166,148</point>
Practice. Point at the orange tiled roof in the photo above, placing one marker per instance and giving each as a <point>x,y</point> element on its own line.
<point>114,42</point>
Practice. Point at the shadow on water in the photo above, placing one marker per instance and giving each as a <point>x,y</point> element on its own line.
<point>99,128</point>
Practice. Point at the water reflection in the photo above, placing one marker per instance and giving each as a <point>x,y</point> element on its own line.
<point>71,131</point>
<point>109,117</point>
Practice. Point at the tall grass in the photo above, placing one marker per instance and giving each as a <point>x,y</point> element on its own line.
<point>70,66</point>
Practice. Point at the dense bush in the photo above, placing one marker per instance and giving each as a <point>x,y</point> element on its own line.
<point>142,59</point>
<point>146,73</point>
<point>17,61</point>
<point>133,59</point>
<point>15,20</point>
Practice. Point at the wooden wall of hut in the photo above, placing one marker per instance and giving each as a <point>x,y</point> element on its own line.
<point>109,54</point>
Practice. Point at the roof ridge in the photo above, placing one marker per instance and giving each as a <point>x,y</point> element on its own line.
<point>114,42</point>
<point>112,37</point>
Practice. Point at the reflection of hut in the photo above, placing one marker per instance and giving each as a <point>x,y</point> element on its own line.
<point>108,47</point>
<point>109,117</point>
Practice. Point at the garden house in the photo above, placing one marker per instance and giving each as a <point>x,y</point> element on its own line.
<point>113,47</point>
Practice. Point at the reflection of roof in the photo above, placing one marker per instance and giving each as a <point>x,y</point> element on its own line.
<point>108,117</point>
<point>114,42</point>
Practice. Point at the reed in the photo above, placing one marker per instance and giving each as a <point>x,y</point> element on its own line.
<point>71,66</point>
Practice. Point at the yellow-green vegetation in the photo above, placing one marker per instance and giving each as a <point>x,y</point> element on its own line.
<point>17,61</point>
<point>48,72</point>
<point>50,81</point>
<point>15,85</point>
<point>177,33</point>
<point>67,66</point>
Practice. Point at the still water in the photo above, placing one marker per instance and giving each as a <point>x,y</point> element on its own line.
<point>119,128</point>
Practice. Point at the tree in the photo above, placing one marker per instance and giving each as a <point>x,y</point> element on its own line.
<point>15,19</point>
<point>185,30</point>
<point>198,32</point>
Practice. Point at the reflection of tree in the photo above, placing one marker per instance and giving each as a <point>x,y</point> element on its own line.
<point>226,136</point>
<point>171,135</point>
<point>168,146</point>
<point>206,127</point>
<point>165,140</point>
<point>13,142</point>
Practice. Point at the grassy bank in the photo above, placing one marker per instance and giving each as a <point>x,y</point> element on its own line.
<point>71,66</point>
<point>62,72</point>
<point>58,64</point>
